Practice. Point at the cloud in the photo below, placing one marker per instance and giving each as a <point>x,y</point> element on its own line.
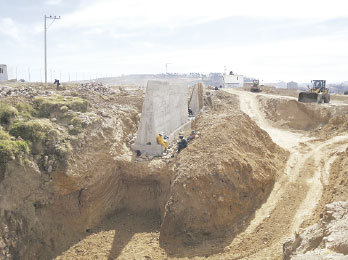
<point>133,14</point>
<point>296,59</point>
<point>53,2</point>
<point>136,36</point>
<point>10,28</point>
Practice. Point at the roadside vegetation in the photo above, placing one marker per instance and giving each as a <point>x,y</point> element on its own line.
<point>40,129</point>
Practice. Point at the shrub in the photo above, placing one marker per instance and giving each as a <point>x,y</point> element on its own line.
<point>346,92</point>
<point>62,153</point>
<point>33,131</point>
<point>7,113</point>
<point>9,149</point>
<point>25,110</point>
<point>4,135</point>
<point>78,125</point>
<point>53,104</point>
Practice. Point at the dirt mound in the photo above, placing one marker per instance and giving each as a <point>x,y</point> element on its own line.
<point>290,114</point>
<point>220,179</point>
<point>273,90</point>
<point>325,120</point>
<point>340,98</point>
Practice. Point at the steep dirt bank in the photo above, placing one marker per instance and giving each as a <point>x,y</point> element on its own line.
<point>290,114</point>
<point>47,203</point>
<point>224,197</point>
<point>326,119</point>
<point>50,201</point>
<point>220,179</point>
<point>213,189</point>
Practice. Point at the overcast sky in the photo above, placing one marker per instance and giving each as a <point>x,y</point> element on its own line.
<point>269,39</point>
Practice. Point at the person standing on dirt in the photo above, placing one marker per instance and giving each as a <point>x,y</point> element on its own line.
<point>182,143</point>
<point>190,112</point>
<point>56,82</point>
<point>191,136</point>
<point>161,141</point>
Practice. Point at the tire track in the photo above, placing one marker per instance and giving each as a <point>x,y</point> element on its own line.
<point>295,195</point>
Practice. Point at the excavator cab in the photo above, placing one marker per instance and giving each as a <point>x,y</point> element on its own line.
<point>318,85</point>
<point>255,87</point>
<point>319,93</point>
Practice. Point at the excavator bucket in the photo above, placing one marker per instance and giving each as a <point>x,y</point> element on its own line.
<point>308,97</point>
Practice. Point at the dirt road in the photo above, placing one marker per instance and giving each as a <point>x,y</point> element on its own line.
<point>295,194</point>
<point>293,199</point>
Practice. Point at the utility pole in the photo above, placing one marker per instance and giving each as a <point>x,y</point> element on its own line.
<point>53,18</point>
<point>167,67</point>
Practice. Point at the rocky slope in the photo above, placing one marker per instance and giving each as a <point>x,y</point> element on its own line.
<point>325,234</point>
<point>327,239</point>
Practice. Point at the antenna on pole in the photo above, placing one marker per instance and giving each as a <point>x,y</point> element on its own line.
<point>53,18</point>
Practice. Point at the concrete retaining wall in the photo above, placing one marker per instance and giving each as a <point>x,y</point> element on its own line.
<point>164,111</point>
<point>196,100</point>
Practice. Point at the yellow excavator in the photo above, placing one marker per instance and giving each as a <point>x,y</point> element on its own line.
<point>255,87</point>
<point>319,93</point>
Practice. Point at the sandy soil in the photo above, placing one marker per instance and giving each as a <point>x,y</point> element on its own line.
<point>294,198</point>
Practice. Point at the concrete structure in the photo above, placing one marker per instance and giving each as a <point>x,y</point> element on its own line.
<point>232,80</point>
<point>292,85</point>
<point>3,72</point>
<point>164,111</point>
<point>196,99</point>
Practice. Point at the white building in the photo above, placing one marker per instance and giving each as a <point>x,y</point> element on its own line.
<point>292,85</point>
<point>3,72</point>
<point>232,80</point>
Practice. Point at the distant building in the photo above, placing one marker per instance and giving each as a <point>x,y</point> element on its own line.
<point>280,84</point>
<point>232,80</point>
<point>3,72</point>
<point>292,85</point>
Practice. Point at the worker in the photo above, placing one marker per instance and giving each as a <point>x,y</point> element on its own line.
<point>161,141</point>
<point>190,112</point>
<point>191,136</point>
<point>56,81</point>
<point>182,143</point>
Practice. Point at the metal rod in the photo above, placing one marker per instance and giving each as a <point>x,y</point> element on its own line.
<point>45,39</point>
<point>45,27</point>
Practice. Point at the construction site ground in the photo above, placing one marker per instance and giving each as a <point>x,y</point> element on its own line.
<point>312,178</point>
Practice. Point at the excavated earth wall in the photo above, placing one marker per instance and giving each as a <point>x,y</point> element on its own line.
<point>202,194</point>
<point>220,179</point>
<point>290,114</point>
